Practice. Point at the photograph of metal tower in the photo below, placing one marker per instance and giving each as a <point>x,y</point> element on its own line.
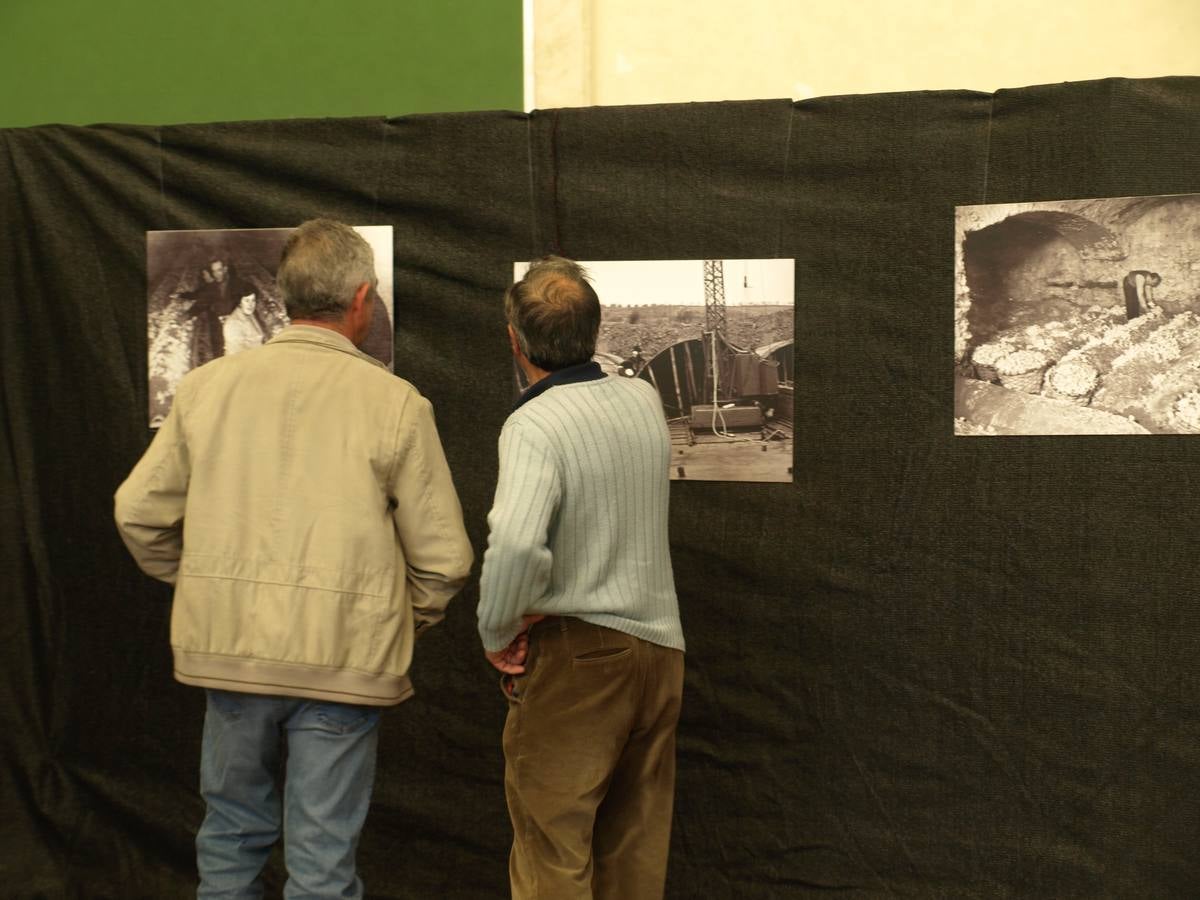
<point>716,339</point>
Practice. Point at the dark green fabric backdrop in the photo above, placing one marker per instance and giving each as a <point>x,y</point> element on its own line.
<point>932,666</point>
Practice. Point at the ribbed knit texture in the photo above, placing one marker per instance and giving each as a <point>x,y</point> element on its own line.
<point>579,523</point>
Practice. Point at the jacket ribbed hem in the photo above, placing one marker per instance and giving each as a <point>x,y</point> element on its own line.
<point>251,676</point>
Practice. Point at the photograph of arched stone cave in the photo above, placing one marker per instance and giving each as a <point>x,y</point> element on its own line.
<point>1078,317</point>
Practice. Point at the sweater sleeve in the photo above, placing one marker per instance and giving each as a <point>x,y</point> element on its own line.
<point>517,563</point>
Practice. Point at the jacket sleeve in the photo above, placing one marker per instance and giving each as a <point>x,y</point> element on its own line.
<point>518,562</point>
<point>428,517</point>
<point>149,505</point>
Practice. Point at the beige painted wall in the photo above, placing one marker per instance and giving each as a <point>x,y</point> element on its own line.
<point>589,52</point>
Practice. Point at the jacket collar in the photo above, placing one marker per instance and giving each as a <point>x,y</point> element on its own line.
<point>588,371</point>
<point>322,337</point>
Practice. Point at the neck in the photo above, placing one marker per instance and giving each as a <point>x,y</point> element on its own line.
<point>533,374</point>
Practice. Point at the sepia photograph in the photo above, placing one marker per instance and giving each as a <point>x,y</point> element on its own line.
<point>1078,317</point>
<point>715,337</point>
<point>212,293</point>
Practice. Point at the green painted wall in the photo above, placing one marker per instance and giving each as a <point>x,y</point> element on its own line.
<point>171,61</point>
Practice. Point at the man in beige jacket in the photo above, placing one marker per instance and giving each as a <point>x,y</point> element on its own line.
<point>298,498</point>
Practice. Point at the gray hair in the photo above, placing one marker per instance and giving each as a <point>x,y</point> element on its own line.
<point>555,314</point>
<point>322,265</point>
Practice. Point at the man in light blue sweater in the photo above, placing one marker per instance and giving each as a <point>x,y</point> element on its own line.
<point>578,607</point>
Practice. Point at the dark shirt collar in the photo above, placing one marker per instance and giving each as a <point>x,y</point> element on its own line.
<point>588,371</point>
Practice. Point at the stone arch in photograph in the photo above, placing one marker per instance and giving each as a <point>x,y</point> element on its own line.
<point>1037,266</point>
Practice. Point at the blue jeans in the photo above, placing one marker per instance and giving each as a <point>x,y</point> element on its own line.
<point>326,792</point>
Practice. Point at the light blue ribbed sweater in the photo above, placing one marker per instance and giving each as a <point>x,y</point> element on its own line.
<point>579,523</point>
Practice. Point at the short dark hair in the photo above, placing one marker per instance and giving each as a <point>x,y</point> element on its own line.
<point>555,313</point>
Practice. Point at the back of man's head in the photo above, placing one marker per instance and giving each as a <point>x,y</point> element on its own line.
<point>323,263</point>
<point>554,313</point>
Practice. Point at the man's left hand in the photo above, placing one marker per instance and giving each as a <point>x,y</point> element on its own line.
<point>511,659</point>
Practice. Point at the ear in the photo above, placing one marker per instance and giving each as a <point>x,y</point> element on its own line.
<point>361,295</point>
<point>512,342</point>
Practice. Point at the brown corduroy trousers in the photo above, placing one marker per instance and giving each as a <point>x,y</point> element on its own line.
<point>589,747</point>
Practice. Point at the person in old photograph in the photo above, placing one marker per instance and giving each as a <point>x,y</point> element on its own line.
<point>242,329</point>
<point>298,498</point>
<point>1138,287</point>
<point>215,298</point>
<point>578,607</point>
<point>632,364</point>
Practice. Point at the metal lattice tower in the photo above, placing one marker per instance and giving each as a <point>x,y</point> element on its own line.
<point>714,296</point>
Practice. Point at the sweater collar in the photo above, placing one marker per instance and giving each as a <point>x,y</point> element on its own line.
<point>588,371</point>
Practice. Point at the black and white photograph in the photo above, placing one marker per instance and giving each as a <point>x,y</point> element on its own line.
<point>212,293</point>
<point>1078,317</point>
<point>716,339</point>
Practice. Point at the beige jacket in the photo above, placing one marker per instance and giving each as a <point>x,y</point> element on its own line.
<point>298,498</point>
